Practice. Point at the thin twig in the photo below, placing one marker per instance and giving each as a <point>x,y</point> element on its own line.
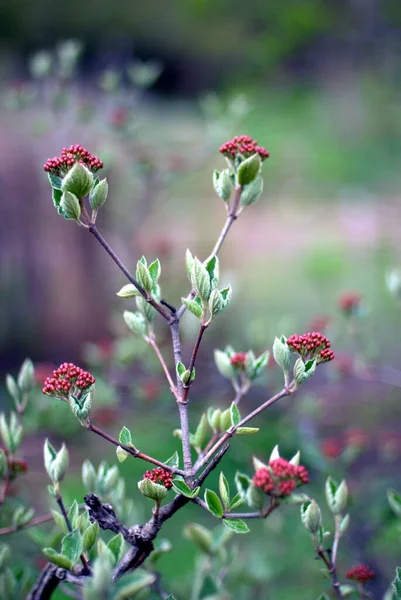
<point>335,584</point>
<point>32,523</point>
<point>263,514</point>
<point>233,214</point>
<point>191,366</point>
<point>94,230</point>
<point>230,432</point>
<point>133,451</point>
<point>152,342</point>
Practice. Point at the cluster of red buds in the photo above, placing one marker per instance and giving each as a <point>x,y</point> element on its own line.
<point>349,303</point>
<point>311,345</point>
<point>361,573</point>
<point>60,165</point>
<point>244,145</point>
<point>68,377</point>
<point>280,478</point>
<point>238,360</point>
<point>160,476</point>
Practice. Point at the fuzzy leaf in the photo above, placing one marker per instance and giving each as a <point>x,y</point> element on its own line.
<point>128,291</point>
<point>180,487</point>
<point>193,307</point>
<point>248,170</point>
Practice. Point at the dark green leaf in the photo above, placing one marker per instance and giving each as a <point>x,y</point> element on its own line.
<point>397,584</point>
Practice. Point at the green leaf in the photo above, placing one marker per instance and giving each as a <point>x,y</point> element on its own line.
<point>200,536</point>
<point>132,583</point>
<point>223,364</point>
<point>248,170</point>
<point>173,461</point>
<point>213,503</point>
<point>90,535</point>
<point>236,502</point>
<point>347,590</point>
<point>70,206</point>
<point>224,490</point>
<point>26,376</point>
<point>57,195</point>
<point>13,389</point>
<point>116,547</point>
<point>143,277</point>
<point>155,270</point>
<point>60,521</point>
<point>71,546</point>
<point>125,436</point>
<point>180,487</point>
<point>251,192</point>
<point>396,584</point>
<point>180,368</point>
<point>128,291</point>
<point>236,525</point>
<point>246,430</point>
<point>394,499</point>
<point>235,414</point>
<point>55,181</point>
<point>242,482</point>
<point>212,267</point>
<point>136,322</point>
<point>200,280</point>
<point>58,559</point>
<point>222,184</point>
<point>73,513</point>
<point>201,432</point>
<point>122,454</point>
<point>193,307</point>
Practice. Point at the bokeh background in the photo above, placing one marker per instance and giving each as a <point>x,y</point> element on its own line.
<point>154,89</point>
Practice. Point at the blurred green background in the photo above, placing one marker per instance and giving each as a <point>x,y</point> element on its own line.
<point>154,89</point>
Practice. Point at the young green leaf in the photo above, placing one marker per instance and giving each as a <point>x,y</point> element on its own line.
<point>235,414</point>
<point>213,503</point>
<point>236,525</point>
<point>58,559</point>
<point>155,270</point>
<point>193,307</point>
<point>224,490</point>
<point>128,291</point>
<point>180,487</point>
<point>125,436</point>
<point>173,461</point>
<point>247,430</point>
<point>71,546</point>
<point>116,547</point>
<point>236,502</point>
<point>248,170</point>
